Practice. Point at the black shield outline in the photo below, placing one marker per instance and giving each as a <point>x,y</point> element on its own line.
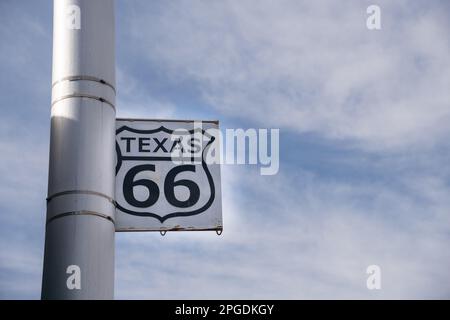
<point>204,165</point>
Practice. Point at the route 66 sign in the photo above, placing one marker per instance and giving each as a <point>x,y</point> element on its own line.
<point>165,179</point>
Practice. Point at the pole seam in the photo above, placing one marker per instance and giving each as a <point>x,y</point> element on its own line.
<point>88,192</point>
<point>81,95</point>
<point>86,78</point>
<point>80,213</point>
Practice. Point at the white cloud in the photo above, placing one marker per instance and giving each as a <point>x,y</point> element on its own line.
<point>310,239</point>
<point>311,65</point>
<point>305,66</point>
<point>135,102</point>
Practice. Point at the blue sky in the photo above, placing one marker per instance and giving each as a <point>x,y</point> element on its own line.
<point>363,118</point>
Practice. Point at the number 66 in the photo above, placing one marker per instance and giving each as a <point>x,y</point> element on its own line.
<point>153,189</point>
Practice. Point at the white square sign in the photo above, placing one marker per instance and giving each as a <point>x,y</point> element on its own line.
<point>167,175</point>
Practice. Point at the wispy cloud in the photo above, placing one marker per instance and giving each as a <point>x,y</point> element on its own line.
<point>311,66</point>
<point>364,175</point>
<point>313,239</point>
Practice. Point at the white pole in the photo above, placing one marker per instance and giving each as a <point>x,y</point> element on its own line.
<point>79,243</point>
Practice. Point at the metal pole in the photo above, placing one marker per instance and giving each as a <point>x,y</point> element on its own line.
<point>79,242</point>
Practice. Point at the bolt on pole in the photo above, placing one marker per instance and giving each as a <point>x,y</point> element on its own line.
<point>79,240</point>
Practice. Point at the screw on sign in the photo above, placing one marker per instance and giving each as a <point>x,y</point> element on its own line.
<point>165,179</point>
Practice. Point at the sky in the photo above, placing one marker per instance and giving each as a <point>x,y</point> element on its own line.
<point>364,150</point>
